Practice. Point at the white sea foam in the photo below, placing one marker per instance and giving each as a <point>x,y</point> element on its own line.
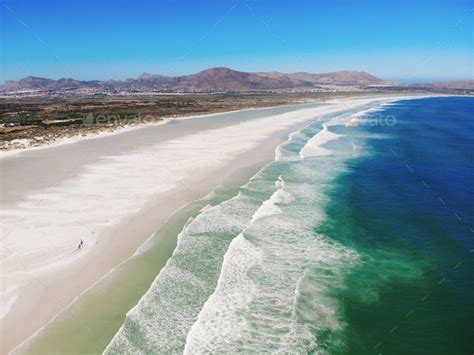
<point>269,296</point>
<point>271,207</point>
<point>167,311</point>
<point>356,118</point>
<point>217,319</point>
<point>281,148</point>
<point>280,183</point>
<point>314,147</point>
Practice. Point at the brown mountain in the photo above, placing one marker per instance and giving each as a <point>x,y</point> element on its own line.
<point>210,80</point>
<point>224,79</point>
<point>339,78</point>
<point>43,84</point>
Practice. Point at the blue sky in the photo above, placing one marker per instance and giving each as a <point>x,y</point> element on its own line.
<point>104,39</point>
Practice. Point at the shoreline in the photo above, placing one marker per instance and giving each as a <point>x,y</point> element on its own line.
<point>182,196</point>
<point>105,131</point>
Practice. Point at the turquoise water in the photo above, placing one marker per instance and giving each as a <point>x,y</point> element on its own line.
<point>357,239</point>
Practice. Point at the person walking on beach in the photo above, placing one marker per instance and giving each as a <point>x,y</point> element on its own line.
<point>80,245</point>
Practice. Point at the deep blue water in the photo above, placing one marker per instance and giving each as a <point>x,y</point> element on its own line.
<point>408,208</point>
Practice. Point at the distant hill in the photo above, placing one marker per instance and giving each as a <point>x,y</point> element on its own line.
<point>340,78</point>
<point>224,79</point>
<point>35,83</point>
<point>213,80</point>
<point>457,84</point>
<point>333,78</point>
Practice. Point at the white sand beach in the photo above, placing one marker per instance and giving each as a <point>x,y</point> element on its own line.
<point>112,193</point>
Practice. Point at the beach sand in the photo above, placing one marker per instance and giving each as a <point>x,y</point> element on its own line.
<point>113,193</point>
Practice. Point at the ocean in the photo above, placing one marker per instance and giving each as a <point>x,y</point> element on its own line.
<point>357,239</point>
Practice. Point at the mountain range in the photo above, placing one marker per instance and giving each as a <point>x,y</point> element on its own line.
<point>218,79</point>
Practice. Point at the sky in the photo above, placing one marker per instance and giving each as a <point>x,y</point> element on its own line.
<point>402,40</point>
